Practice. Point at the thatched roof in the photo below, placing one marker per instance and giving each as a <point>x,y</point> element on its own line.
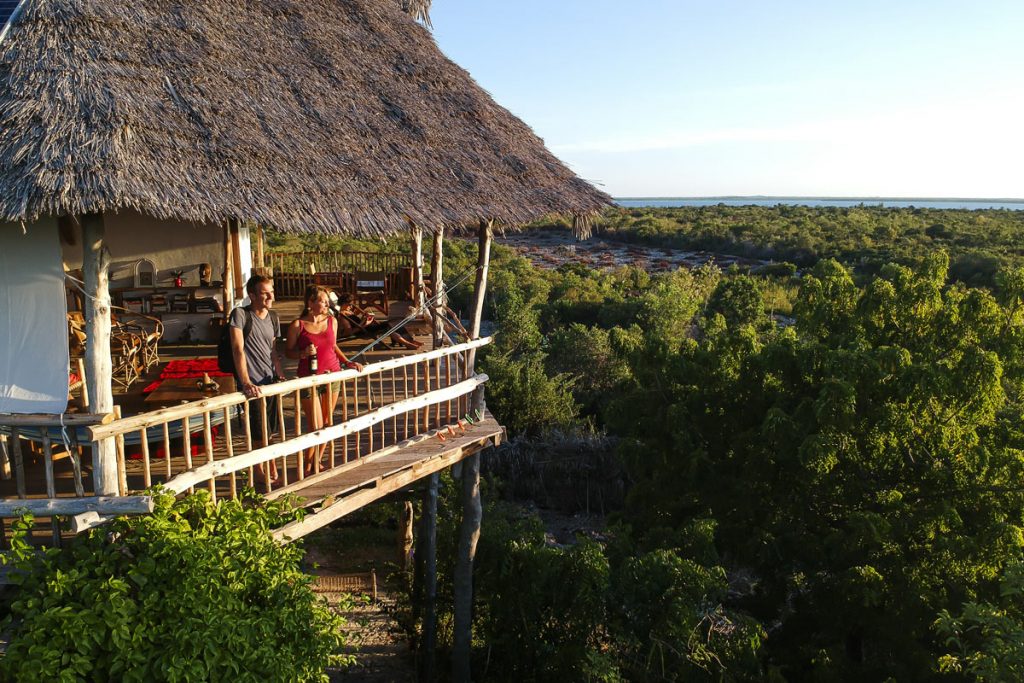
<point>305,115</point>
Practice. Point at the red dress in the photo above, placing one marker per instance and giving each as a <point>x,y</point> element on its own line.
<point>327,359</point>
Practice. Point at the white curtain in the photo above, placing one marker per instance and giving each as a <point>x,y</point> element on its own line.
<point>33,320</point>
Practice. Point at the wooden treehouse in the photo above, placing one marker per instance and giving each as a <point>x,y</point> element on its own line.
<point>149,143</point>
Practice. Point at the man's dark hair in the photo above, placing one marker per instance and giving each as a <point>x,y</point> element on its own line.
<point>255,281</point>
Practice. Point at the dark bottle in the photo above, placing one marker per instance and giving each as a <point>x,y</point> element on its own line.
<point>313,366</point>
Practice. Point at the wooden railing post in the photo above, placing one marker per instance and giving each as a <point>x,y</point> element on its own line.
<point>386,416</point>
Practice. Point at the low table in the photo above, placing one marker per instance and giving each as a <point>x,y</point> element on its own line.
<point>183,389</point>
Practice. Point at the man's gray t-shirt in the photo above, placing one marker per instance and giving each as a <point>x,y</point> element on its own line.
<point>259,345</point>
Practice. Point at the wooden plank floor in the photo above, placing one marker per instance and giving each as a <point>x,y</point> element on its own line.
<point>332,495</point>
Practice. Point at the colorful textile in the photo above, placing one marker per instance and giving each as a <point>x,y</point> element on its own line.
<point>187,368</point>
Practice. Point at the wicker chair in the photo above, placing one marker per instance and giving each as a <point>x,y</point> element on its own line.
<point>126,355</point>
<point>134,343</point>
<point>149,329</point>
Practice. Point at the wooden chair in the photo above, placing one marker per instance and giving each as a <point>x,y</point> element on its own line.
<point>149,329</point>
<point>372,290</point>
<point>126,349</point>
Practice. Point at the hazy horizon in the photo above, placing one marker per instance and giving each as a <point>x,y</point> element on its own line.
<point>1004,200</point>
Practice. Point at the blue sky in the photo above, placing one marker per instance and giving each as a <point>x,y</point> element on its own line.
<point>711,97</point>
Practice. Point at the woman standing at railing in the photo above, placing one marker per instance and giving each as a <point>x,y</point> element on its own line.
<point>313,336</point>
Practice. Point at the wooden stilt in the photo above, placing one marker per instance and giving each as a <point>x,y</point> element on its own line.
<point>428,647</point>
<point>462,578</point>
<point>472,509</point>
<point>405,522</point>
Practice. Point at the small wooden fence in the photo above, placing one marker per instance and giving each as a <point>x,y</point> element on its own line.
<point>292,270</point>
<point>218,442</point>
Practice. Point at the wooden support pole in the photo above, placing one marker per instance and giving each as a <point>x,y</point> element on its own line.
<point>485,235</point>
<point>228,289</point>
<point>236,260</point>
<point>462,578</point>
<point>436,267</point>
<point>472,509</point>
<point>260,248</point>
<point>417,263</point>
<point>405,522</point>
<point>95,266</point>
<point>428,673</point>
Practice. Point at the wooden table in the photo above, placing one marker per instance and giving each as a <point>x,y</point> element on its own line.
<point>181,389</point>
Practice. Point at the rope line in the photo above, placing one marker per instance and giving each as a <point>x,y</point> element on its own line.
<point>418,310</point>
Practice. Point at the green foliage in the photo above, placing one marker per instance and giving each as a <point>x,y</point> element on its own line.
<point>196,591</point>
<point>588,356</point>
<point>843,476</point>
<point>672,625</point>
<point>739,300</point>
<point>861,464</point>
<point>293,242</point>
<point>521,392</point>
<point>551,631</point>
<point>584,612</point>
<point>986,639</point>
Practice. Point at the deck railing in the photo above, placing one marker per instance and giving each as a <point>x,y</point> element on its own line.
<point>218,442</point>
<point>292,271</point>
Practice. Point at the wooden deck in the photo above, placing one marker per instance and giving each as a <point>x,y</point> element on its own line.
<point>334,494</point>
<point>393,447</point>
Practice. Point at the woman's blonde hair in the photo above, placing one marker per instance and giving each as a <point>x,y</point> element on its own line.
<point>314,292</point>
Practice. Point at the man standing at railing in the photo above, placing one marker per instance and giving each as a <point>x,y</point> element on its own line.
<point>254,332</point>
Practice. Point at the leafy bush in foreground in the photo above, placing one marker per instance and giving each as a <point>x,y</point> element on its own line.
<point>196,591</point>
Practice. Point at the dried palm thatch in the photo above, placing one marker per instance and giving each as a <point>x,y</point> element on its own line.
<point>418,10</point>
<point>305,115</point>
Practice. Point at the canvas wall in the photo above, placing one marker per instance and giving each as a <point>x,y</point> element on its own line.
<point>33,326</point>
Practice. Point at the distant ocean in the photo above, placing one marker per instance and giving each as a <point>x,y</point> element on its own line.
<point>896,202</point>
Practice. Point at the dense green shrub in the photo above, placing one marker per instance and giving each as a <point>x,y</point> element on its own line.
<point>196,591</point>
<point>861,463</point>
<point>986,640</point>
